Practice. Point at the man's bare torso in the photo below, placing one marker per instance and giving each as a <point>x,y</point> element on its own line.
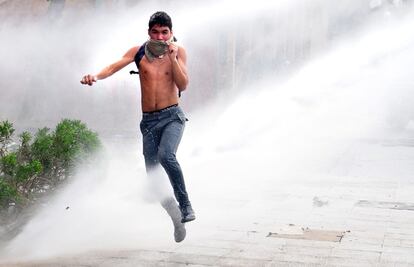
<point>160,79</point>
<point>158,89</point>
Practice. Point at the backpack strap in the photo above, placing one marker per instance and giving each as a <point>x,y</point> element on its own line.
<point>138,56</point>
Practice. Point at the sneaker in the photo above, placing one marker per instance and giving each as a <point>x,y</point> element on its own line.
<point>179,232</point>
<point>173,210</point>
<point>187,214</point>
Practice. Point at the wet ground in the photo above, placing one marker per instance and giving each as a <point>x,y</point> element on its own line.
<point>362,215</point>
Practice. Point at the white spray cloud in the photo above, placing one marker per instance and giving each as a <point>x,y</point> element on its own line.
<point>274,131</point>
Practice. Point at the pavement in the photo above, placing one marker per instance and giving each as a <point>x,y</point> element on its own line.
<point>360,213</point>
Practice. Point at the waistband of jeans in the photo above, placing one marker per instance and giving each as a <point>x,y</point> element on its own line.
<point>160,110</point>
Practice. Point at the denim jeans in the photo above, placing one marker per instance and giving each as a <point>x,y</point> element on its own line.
<point>161,135</point>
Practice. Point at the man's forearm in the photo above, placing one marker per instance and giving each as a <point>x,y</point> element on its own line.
<point>111,69</point>
<point>104,73</point>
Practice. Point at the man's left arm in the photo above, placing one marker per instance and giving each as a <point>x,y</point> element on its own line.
<point>178,59</point>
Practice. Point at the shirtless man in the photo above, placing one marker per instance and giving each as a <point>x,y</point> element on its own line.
<point>163,75</point>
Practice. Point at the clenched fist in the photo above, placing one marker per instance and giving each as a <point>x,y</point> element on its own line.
<point>89,79</point>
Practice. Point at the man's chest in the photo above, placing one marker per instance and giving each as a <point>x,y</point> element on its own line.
<point>158,67</point>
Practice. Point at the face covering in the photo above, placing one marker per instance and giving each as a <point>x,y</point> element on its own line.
<point>156,48</point>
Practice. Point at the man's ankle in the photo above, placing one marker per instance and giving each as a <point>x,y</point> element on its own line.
<point>187,214</point>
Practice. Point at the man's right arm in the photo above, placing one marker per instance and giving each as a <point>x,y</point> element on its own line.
<point>111,69</point>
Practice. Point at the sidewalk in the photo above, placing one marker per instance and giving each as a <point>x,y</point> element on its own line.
<point>361,214</point>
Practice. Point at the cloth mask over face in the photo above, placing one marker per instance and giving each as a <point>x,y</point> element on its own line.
<point>156,48</point>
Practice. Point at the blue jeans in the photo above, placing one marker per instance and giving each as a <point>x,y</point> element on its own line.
<point>161,135</point>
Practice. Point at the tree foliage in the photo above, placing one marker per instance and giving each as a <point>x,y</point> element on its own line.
<point>6,131</point>
<point>41,162</point>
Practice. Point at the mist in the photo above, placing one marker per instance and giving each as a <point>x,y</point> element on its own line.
<point>298,82</point>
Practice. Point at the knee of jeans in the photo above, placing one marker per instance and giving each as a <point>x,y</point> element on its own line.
<point>166,157</point>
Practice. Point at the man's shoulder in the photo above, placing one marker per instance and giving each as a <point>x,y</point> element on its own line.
<point>181,51</point>
<point>134,49</point>
<point>179,45</point>
<point>130,54</point>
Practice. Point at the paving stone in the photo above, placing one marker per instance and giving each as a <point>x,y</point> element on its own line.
<point>407,243</point>
<point>135,254</point>
<point>386,205</point>
<point>395,264</point>
<point>257,251</point>
<point>356,254</point>
<point>183,258</point>
<point>407,257</point>
<point>311,243</point>
<point>340,261</point>
<point>241,262</point>
<point>362,240</point>
<point>228,235</point>
<point>308,250</point>
<point>214,243</point>
<point>293,264</point>
<point>365,235</point>
<point>176,264</point>
<point>293,257</point>
<point>391,242</point>
<point>376,247</point>
<point>401,228</point>
<point>200,250</point>
<point>401,236</point>
<point>399,249</point>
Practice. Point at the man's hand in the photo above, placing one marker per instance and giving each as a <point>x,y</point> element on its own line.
<point>89,79</point>
<point>172,51</point>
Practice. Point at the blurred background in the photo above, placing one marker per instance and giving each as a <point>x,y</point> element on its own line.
<point>282,94</point>
<point>47,46</point>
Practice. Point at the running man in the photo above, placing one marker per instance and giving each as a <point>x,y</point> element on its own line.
<point>163,75</point>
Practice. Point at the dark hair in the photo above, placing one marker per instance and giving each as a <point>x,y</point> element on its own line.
<point>160,18</point>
